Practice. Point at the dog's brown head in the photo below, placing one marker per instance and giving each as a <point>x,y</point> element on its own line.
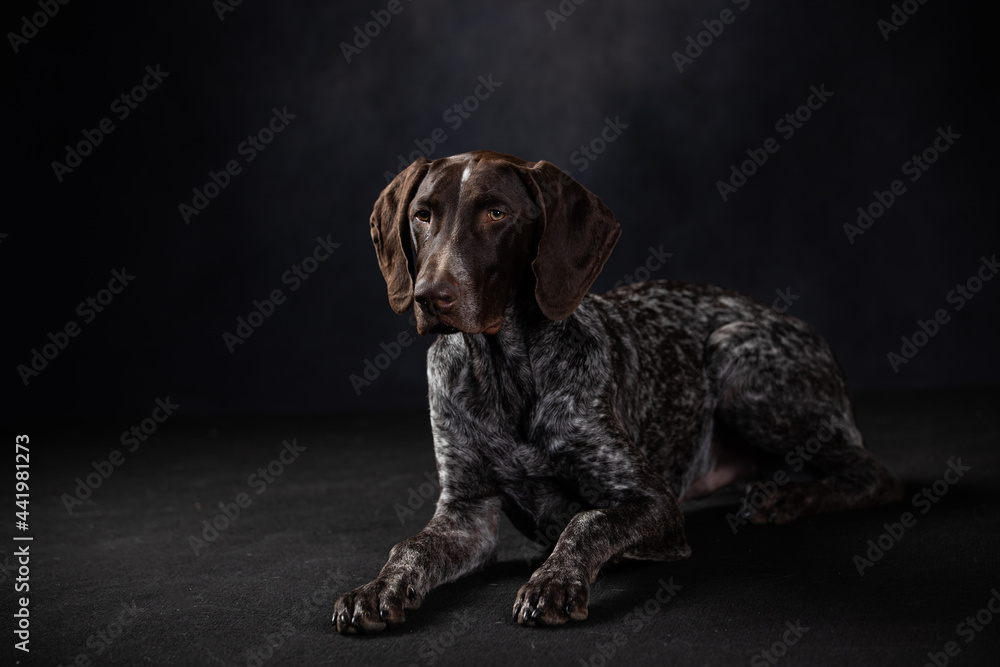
<point>479,225</point>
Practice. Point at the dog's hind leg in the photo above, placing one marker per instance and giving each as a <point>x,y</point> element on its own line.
<point>781,390</point>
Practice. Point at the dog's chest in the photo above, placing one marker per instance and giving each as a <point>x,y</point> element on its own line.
<point>502,458</point>
<point>500,430</point>
<point>535,490</point>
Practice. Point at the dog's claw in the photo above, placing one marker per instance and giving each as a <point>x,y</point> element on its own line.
<point>374,607</point>
<point>552,598</point>
<point>343,624</point>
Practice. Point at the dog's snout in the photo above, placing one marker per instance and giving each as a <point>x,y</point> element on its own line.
<point>437,296</point>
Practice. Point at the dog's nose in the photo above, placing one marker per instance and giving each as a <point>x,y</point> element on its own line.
<point>436,296</point>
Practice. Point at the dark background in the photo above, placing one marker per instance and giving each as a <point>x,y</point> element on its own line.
<point>163,335</point>
<point>327,523</point>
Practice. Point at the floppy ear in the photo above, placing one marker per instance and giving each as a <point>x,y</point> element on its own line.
<point>390,231</point>
<point>578,233</point>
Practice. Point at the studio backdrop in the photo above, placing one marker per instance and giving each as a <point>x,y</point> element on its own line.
<point>188,185</point>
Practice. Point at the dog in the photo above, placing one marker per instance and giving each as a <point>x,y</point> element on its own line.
<point>545,400</point>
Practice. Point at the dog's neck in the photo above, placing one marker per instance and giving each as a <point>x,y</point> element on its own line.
<point>521,318</point>
<point>503,361</point>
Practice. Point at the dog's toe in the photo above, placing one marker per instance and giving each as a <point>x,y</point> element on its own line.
<point>374,607</point>
<point>552,599</point>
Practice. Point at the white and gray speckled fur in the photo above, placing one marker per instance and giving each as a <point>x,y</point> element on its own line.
<point>641,397</point>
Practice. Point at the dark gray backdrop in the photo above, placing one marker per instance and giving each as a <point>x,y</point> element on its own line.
<point>556,85</point>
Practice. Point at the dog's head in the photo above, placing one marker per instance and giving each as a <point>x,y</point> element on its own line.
<point>460,235</point>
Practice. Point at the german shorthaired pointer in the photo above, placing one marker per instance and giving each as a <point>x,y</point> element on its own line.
<point>545,400</point>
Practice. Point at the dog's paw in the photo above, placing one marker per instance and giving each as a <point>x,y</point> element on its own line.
<point>552,599</point>
<point>780,506</point>
<point>374,606</point>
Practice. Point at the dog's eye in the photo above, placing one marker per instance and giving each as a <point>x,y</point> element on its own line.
<point>422,215</point>
<point>496,215</point>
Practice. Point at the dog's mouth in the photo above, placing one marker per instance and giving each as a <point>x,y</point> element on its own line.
<point>439,327</point>
<point>446,325</point>
<point>489,329</point>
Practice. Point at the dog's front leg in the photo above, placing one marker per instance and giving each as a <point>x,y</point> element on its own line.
<point>459,539</point>
<point>649,526</point>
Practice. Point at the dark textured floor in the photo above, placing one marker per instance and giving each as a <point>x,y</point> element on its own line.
<point>117,581</point>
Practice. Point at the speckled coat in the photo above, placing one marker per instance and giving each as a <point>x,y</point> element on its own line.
<point>547,402</point>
